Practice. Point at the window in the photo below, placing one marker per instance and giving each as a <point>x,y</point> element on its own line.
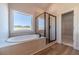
<point>22,21</point>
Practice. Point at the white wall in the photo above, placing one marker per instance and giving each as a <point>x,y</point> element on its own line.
<point>58,9</point>
<point>3,21</point>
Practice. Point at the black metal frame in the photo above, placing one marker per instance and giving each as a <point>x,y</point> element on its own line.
<point>37,23</point>
<point>49,28</point>
<point>48,40</point>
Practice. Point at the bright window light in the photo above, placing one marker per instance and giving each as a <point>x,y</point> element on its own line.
<point>41,24</point>
<point>22,21</point>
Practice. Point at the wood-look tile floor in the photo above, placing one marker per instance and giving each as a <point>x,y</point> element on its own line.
<point>58,49</point>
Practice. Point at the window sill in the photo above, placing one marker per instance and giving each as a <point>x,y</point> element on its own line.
<point>22,31</point>
<point>19,33</point>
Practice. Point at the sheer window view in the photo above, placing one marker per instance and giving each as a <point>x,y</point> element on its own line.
<point>41,24</point>
<point>22,21</point>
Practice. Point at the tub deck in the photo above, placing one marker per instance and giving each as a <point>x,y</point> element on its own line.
<point>25,48</point>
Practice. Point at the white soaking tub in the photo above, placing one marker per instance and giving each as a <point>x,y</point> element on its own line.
<point>20,39</point>
<point>24,38</point>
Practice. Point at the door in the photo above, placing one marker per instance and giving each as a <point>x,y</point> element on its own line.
<point>52,26</point>
<point>67,28</point>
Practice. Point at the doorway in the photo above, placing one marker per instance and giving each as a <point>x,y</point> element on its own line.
<point>67,28</point>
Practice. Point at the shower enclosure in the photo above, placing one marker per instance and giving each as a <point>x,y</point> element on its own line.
<point>45,25</point>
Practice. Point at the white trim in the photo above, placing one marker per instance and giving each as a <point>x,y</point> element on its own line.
<point>59,28</point>
<point>66,11</point>
<point>73,27</point>
<point>11,22</point>
<point>67,44</point>
<point>59,40</point>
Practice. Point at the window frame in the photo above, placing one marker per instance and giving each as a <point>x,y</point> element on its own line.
<point>11,21</point>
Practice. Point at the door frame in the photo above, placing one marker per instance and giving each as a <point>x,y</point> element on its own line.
<point>55,27</point>
<point>73,27</point>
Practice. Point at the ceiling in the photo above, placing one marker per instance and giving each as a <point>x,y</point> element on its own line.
<point>43,6</point>
<point>30,7</point>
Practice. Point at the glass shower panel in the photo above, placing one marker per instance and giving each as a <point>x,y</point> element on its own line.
<point>46,26</point>
<point>52,28</point>
<point>40,25</point>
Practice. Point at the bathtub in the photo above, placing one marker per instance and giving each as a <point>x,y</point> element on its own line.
<point>20,39</point>
<point>22,47</point>
<point>23,38</point>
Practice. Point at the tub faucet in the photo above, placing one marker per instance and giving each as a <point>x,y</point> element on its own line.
<point>39,34</point>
